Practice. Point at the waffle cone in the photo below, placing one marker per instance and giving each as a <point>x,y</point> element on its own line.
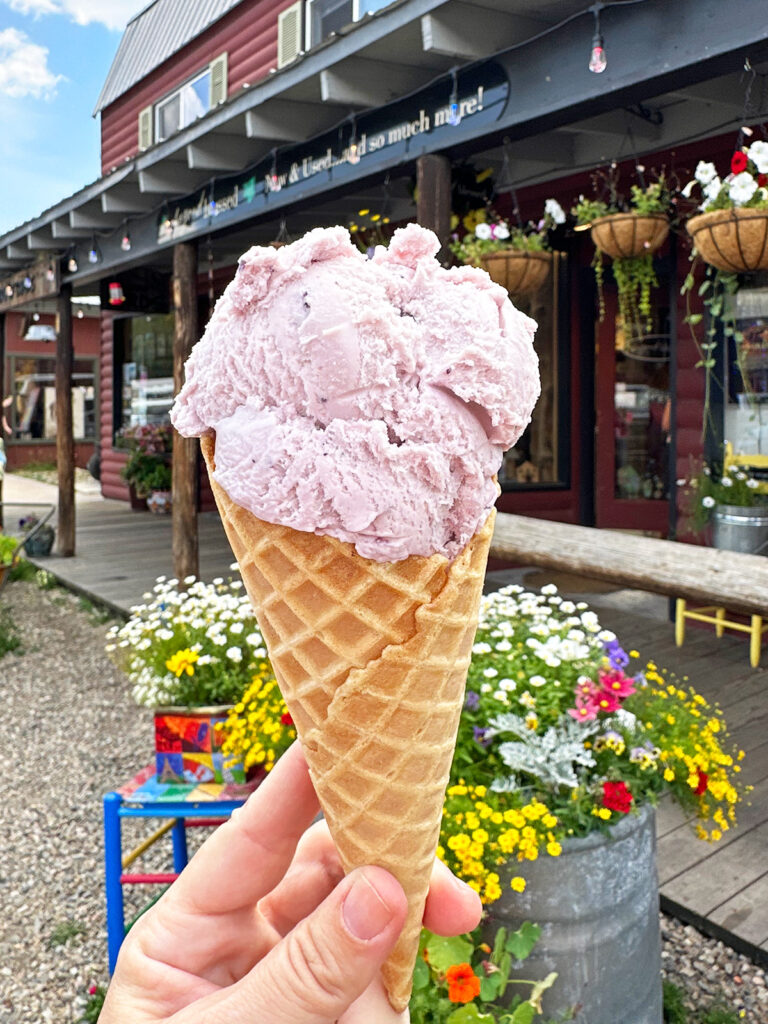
<point>372,659</point>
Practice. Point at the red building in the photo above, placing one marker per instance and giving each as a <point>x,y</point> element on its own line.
<point>230,123</point>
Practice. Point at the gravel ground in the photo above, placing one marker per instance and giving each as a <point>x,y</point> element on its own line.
<point>68,734</point>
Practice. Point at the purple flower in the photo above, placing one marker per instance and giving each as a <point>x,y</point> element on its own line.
<point>479,735</point>
<point>615,653</point>
<point>472,701</point>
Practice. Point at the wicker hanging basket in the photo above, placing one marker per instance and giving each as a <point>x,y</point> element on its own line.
<point>732,240</point>
<point>518,271</point>
<point>625,236</point>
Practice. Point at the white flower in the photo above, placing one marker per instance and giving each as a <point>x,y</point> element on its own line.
<point>742,188</point>
<point>550,588</point>
<point>705,172</point>
<point>688,189</point>
<point>752,483</point>
<point>500,695</point>
<point>508,685</point>
<point>726,481</point>
<point>486,688</point>
<point>555,211</point>
<point>712,190</point>
<point>490,673</point>
<point>189,580</point>
<point>537,681</point>
<point>708,502</point>
<point>253,639</point>
<point>503,645</point>
<point>681,482</point>
<point>482,648</point>
<point>528,700</point>
<point>483,231</point>
<point>500,231</point>
<point>234,654</point>
<point>758,154</point>
<point>218,638</point>
<point>236,627</point>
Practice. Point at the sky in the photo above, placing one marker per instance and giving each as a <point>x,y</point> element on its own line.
<point>54,58</point>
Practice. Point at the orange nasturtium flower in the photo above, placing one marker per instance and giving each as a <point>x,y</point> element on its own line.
<point>182,661</point>
<point>463,983</point>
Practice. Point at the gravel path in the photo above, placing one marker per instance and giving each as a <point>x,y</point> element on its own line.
<point>69,733</point>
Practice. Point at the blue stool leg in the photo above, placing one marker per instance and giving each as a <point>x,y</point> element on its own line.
<point>113,864</point>
<point>179,845</point>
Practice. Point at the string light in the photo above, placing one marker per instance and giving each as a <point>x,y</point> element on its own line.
<point>597,60</point>
<point>28,283</point>
<point>125,243</point>
<point>9,291</point>
<point>274,180</point>
<point>72,264</point>
<point>93,253</point>
<point>50,274</point>
<point>353,150</point>
<point>453,108</point>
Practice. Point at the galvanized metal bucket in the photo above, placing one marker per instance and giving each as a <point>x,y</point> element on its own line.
<point>741,528</point>
<point>598,907</point>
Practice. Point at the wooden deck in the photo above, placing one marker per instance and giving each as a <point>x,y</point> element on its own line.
<point>720,888</point>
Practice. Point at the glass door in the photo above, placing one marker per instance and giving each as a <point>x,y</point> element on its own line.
<point>633,405</point>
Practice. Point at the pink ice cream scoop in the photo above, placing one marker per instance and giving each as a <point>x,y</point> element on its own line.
<point>368,400</point>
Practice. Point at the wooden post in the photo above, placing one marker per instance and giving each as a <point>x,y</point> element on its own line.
<point>65,440</point>
<point>3,436</point>
<point>433,208</point>
<point>185,537</point>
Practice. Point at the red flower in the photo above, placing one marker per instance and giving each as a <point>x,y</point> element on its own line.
<point>738,162</point>
<point>92,990</point>
<point>701,785</point>
<point>616,797</point>
<point>463,983</point>
<point>286,719</point>
<point>762,180</point>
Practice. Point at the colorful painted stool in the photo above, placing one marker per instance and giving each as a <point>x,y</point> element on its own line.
<point>145,796</point>
<point>717,617</point>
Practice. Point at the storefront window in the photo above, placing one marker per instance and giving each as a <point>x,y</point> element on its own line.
<point>537,457</point>
<point>642,410</point>
<point>33,405</point>
<point>144,370</point>
<point>746,410</point>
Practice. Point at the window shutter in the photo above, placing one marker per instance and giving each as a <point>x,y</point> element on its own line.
<point>290,33</point>
<point>218,80</point>
<point>145,128</point>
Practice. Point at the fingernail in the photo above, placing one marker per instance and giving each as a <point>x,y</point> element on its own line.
<point>366,915</point>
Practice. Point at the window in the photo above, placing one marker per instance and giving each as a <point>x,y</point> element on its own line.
<point>33,405</point>
<point>184,106</point>
<point>144,370</point>
<point>746,406</point>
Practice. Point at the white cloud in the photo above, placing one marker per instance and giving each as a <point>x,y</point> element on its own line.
<point>24,67</point>
<point>115,14</point>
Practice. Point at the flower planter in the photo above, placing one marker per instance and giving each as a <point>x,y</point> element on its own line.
<point>598,907</point>
<point>41,543</point>
<point>138,504</point>
<point>160,502</point>
<point>741,528</point>
<point>732,240</point>
<point>517,271</point>
<point>188,746</point>
<point>629,235</point>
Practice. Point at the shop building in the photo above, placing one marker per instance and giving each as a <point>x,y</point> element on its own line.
<point>227,124</point>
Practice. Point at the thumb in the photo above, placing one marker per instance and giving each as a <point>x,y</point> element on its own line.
<point>329,959</point>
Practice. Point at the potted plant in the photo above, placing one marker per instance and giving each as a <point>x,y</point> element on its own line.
<point>628,231</point>
<point>518,257</point>
<point>38,538</point>
<point>190,653</point>
<point>149,449</point>
<point>158,484</point>
<point>731,230</point>
<point>731,501</point>
<point>565,744</point>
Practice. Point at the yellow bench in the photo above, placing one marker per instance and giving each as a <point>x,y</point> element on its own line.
<point>712,614</point>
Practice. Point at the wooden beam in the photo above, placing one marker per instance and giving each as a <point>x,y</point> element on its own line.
<point>65,441</point>
<point>433,207</point>
<point>701,575</point>
<point>220,153</point>
<point>288,120</point>
<point>360,82</point>
<point>467,31</point>
<point>184,471</point>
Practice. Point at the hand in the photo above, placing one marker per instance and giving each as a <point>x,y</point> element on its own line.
<point>262,927</point>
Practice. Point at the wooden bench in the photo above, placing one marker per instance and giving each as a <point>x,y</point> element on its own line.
<point>705,577</point>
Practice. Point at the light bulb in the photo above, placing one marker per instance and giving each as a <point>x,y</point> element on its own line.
<point>125,244</point>
<point>72,265</point>
<point>453,114</point>
<point>93,255</point>
<point>597,61</point>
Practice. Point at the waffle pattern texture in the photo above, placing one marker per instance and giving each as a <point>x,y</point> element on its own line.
<point>372,659</point>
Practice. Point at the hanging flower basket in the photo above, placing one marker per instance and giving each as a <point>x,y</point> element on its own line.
<point>733,240</point>
<point>518,271</point>
<point>624,236</point>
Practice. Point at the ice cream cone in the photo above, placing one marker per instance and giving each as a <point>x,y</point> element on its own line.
<point>371,658</point>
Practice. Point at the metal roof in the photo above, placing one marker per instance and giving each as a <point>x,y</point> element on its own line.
<point>151,36</point>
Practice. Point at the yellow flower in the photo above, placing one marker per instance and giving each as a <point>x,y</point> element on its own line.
<point>480,835</point>
<point>518,884</point>
<point>554,849</point>
<point>669,775</point>
<point>182,661</point>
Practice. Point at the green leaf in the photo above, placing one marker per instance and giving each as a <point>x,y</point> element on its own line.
<point>469,1014</point>
<point>421,975</point>
<point>687,284</point>
<point>444,951</point>
<point>489,988</point>
<point>521,942</point>
<point>694,318</point>
<point>524,1014</point>
<point>704,287</point>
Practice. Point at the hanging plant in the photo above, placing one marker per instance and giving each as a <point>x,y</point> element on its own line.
<point>730,237</point>
<point>628,232</point>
